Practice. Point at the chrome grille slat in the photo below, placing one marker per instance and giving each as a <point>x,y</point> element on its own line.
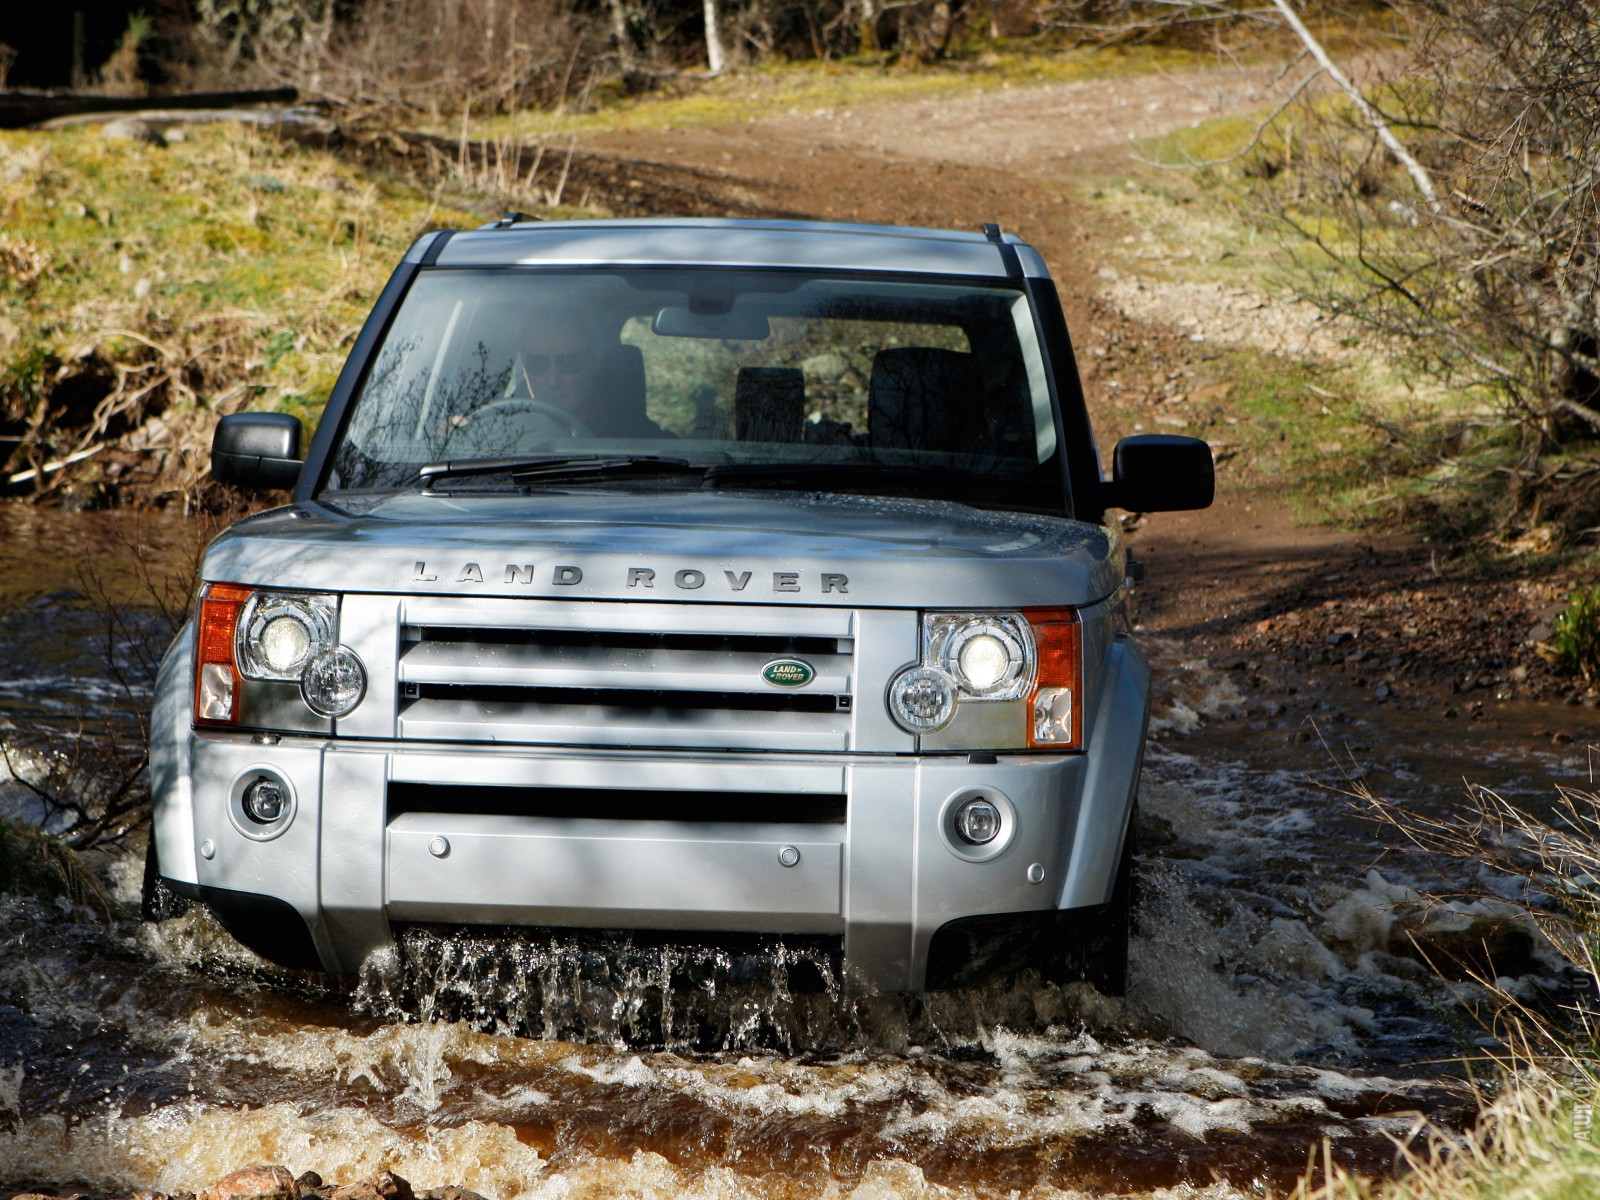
<point>599,666</point>
<point>664,675</point>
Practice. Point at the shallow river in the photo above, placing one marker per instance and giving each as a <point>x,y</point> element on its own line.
<point>1275,998</point>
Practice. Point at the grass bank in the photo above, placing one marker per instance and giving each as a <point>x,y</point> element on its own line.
<point>1537,1141</point>
<point>800,89</point>
<point>148,285</point>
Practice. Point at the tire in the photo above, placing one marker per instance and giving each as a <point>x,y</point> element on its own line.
<point>1107,968</point>
<point>1092,944</point>
<point>157,901</point>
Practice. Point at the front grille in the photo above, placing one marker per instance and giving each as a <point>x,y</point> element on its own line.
<point>639,675</point>
<point>646,703</point>
<point>617,804</point>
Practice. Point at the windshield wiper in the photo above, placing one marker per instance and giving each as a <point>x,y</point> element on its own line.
<point>545,468</point>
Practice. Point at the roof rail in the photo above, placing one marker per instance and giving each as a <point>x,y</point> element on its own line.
<point>1008,252</point>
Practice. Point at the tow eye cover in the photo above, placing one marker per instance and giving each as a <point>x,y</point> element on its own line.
<point>788,672</point>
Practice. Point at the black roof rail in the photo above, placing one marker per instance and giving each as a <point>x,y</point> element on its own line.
<point>1008,252</point>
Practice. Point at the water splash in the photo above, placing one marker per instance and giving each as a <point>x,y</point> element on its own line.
<point>774,995</point>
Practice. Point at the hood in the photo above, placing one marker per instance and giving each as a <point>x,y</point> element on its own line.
<point>724,546</point>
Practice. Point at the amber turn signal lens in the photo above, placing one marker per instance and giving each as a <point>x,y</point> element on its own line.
<point>1056,716</point>
<point>216,677</point>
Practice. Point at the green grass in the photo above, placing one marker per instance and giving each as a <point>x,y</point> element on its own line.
<point>232,266</point>
<point>1577,634</point>
<point>1536,1142</point>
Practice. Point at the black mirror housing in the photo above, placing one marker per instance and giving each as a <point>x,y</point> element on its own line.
<point>257,450</point>
<point>1162,472</point>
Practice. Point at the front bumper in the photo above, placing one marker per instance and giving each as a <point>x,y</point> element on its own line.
<point>857,847</point>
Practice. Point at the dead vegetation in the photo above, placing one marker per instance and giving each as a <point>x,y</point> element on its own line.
<point>83,773</point>
<point>1440,194</point>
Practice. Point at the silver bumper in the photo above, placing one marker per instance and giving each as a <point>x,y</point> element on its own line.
<point>884,876</point>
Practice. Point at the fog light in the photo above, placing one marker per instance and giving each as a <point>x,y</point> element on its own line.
<point>922,699</point>
<point>265,801</point>
<point>334,682</point>
<point>978,822</point>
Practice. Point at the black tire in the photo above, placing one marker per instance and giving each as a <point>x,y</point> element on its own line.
<point>1092,944</point>
<point>157,901</point>
<point>1107,968</point>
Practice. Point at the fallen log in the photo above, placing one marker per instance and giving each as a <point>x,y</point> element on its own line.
<point>19,109</point>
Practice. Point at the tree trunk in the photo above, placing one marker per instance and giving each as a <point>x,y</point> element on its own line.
<point>869,26</point>
<point>716,58</point>
<point>619,33</point>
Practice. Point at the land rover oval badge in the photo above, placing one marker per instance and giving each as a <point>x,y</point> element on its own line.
<point>788,672</point>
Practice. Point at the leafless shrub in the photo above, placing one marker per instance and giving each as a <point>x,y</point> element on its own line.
<point>1447,197</point>
<point>88,778</point>
<point>1491,282</point>
<point>418,56</point>
<point>1228,25</point>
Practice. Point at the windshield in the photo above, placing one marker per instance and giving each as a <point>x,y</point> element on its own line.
<point>888,380</point>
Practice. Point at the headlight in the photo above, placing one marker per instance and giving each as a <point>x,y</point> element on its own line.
<point>989,656</point>
<point>922,699</point>
<point>256,648</point>
<point>280,632</point>
<point>994,681</point>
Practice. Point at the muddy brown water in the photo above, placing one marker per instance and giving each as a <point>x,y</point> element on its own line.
<point>1274,1001</point>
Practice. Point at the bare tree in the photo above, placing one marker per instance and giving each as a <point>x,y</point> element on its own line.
<point>482,54</point>
<point>1490,279</point>
<point>716,56</point>
<point>1454,188</point>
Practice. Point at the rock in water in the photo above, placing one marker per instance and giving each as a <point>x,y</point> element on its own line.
<point>256,1183</point>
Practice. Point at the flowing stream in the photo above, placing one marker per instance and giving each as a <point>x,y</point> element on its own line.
<point>1278,993</point>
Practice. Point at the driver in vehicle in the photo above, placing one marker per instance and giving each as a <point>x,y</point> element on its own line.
<point>566,381</point>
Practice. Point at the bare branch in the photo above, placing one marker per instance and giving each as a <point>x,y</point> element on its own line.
<point>1419,174</point>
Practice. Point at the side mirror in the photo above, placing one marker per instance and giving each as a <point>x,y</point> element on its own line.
<point>1161,472</point>
<point>257,450</point>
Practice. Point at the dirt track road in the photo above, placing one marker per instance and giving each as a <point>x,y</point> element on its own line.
<point>998,154</point>
<point>1246,583</point>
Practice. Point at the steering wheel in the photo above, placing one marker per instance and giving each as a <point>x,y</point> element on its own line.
<point>574,426</point>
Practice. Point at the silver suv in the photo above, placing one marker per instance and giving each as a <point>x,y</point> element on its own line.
<point>696,579</point>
